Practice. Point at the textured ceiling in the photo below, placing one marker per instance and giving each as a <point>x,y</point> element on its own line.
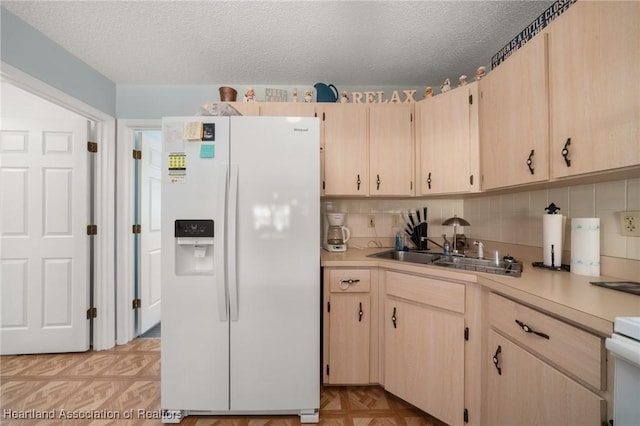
<point>347,43</point>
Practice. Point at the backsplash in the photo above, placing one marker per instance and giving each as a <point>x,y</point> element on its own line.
<point>514,218</point>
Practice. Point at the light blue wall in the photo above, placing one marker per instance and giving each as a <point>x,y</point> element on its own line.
<point>27,49</point>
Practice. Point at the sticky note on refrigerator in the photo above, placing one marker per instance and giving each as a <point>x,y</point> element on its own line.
<point>207,150</point>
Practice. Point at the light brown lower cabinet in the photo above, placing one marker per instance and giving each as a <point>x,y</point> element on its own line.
<point>524,390</point>
<point>424,344</point>
<point>347,326</point>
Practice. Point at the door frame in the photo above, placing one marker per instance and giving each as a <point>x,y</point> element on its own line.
<point>125,217</point>
<point>104,242</point>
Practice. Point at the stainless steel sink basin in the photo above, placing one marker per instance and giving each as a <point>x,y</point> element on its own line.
<point>407,256</point>
<point>502,267</point>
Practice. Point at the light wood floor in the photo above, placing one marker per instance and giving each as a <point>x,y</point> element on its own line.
<point>125,381</point>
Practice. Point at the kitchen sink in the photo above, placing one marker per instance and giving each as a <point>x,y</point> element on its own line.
<point>407,256</point>
<point>505,266</point>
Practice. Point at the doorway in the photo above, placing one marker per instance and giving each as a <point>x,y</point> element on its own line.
<point>139,156</point>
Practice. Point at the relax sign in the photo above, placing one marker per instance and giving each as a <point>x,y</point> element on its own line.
<point>378,97</point>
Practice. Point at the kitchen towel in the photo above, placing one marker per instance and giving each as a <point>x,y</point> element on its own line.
<point>585,246</point>
<point>552,239</point>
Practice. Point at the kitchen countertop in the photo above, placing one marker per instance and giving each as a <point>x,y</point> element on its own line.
<point>559,293</point>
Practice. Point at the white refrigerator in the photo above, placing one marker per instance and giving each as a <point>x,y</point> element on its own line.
<point>240,267</point>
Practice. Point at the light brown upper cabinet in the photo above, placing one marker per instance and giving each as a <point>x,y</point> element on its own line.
<point>514,128</point>
<point>594,77</point>
<point>345,128</point>
<point>391,149</point>
<point>447,159</point>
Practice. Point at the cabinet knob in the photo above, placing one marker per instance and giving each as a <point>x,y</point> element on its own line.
<point>394,318</point>
<point>565,152</point>
<point>358,182</point>
<point>378,183</point>
<point>360,313</point>
<point>530,161</point>
<point>429,181</point>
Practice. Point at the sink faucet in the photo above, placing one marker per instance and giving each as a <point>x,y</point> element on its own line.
<point>445,246</point>
<point>480,245</point>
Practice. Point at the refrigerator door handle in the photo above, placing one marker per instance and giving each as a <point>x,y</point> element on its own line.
<point>219,247</point>
<point>231,247</point>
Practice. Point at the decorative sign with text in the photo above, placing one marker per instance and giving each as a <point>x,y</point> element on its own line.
<point>555,10</point>
<point>379,98</point>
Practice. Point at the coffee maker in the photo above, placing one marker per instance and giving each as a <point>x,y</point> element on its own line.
<point>335,235</point>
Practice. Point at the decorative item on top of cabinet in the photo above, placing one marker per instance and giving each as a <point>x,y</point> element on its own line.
<point>447,157</point>
<point>514,119</point>
<point>391,149</point>
<point>595,114</point>
<point>445,86</point>
<point>308,96</point>
<point>250,95</point>
<point>347,326</point>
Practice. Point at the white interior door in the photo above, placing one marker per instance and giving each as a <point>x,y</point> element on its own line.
<point>150,188</point>
<point>44,247</point>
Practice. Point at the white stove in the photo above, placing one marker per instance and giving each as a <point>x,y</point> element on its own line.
<point>624,345</point>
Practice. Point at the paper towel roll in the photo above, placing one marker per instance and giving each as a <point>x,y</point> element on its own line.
<point>585,246</point>
<point>552,239</point>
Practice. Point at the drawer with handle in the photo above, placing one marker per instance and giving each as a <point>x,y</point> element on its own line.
<point>350,280</point>
<point>570,348</point>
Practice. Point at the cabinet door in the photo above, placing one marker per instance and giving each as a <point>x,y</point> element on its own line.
<point>288,109</point>
<point>424,358</point>
<point>349,323</point>
<point>346,148</point>
<point>594,64</point>
<point>527,391</point>
<point>391,149</point>
<point>514,119</point>
<point>448,142</point>
<point>247,108</point>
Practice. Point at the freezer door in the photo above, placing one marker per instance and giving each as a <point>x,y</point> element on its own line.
<point>195,326</point>
<point>275,340</point>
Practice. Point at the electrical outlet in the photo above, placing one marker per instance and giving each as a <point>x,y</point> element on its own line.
<point>630,223</point>
<point>395,221</point>
<point>371,220</point>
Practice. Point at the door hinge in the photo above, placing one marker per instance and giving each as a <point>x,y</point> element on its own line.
<point>411,186</point>
<point>328,306</point>
<point>92,146</point>
<point>92,313</point>
<point>136,229</point>
<point>411,117</point>
<point>327,369</point>
<point>466,334</point>
<point>470,99</point>
<point>471,180</point>
<point>323,185</point>
<point>137,154</point>
<point>137,304</point>
<point>466,416</point>
<point>92,229</point>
